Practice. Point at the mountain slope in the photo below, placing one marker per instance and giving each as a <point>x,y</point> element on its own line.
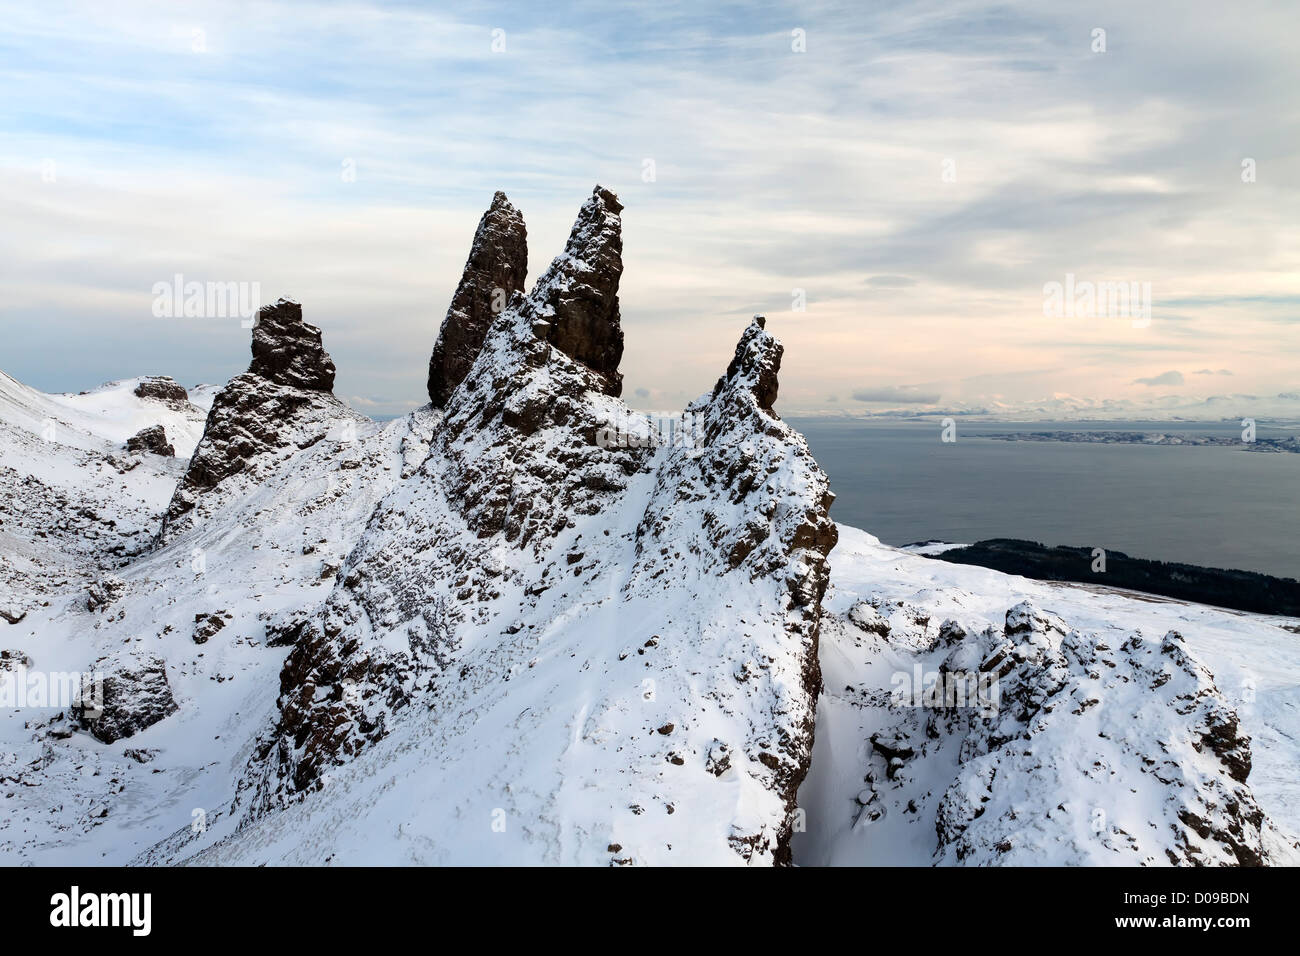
<point>544,556</point>
<point>1131,729</point>
<point>75,503</point>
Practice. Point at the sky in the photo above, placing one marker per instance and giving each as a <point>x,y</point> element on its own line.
<point>894,185</point>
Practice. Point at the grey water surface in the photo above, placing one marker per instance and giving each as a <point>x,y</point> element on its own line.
<point>1213,506</point>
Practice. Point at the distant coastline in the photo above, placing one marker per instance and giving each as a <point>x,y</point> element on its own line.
<point>1221,587</point>
<point>1274,445</point>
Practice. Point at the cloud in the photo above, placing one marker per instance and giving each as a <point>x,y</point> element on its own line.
<point>1207,371</point>
<point>897,394</point>
<point>1108,166</point>
<point>1165,378</point>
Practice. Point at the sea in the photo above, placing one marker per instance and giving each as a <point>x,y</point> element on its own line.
<point>1213,506</point>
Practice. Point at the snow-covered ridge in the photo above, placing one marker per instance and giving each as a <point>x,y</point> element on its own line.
<point>1130,730</point>
<point>75,499</point>
<point>569,570</point>
<point>103,418</point>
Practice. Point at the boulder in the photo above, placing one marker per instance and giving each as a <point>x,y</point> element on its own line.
<point>130,693</point>
<point>162,387</point>
<point>153,440</point>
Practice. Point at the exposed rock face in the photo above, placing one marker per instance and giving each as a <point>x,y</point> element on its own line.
<point>162,387</point>
<point>514,459</point>
<point>282,404</point>
<point>12,660</point>
<point>1181,733</point>
<point>757,365</point>
<point>153,440</point>
<point>207,625</point>
<point>1040,723</point>
<point>135,695</point>
<point>742,494</point>
<point>288,351</point>
<point>574,305</point>
<point>495,270</point>
<point>545,499</point>
<point>104,592</point>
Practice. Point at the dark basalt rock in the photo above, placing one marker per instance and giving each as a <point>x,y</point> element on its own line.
<point>529,447</point>
<point>153,440</point>
<point>495,269</point>
<point>162,387</point>
<point>283,401</point>
<point>758,363</point>
<point>575,303</point>
<point>12,660</point>
<point>1051,679</point>
<point>104,592</point>
<point>288,351</point>
<point>134,694</point>
<point>739,453</point>
<point>206,626</point>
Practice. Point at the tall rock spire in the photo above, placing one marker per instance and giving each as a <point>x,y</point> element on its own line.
<point>576,300</point>
<point>755,365</point>
<point>497,264</point>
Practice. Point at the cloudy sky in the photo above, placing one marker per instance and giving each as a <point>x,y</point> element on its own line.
<point>912,174</point>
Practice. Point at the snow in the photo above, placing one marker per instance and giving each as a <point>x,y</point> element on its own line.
<point>1255,661</point>
<point>532,738</point>
<point>103,416</point>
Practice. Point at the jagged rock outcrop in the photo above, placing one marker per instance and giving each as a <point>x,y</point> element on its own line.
<point>574,305</point>
<point>103,592</point>
<point>288,351</point>
<point>1101,749</point>
<point>132,694</point>
<point>740,493</point>
<point>12,660</point>
<point>515,458</point>
<point>152,440</point>
<point>494,271</point>
<point>206,626</point>
<point>282,404</point>
<point>1147,706</point>
<point>162,387</point>
<point>758,366</point>
<point>544,499</point>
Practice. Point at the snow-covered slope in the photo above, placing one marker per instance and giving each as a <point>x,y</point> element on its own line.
<point>104,418</point>
<point>74,501</point>
<point>1122,734</point>
<point>534,583</point>
<point>197,610</point>
<point>531,626</point>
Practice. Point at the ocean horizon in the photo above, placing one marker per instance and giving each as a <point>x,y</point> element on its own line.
<point>1212,506</point>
